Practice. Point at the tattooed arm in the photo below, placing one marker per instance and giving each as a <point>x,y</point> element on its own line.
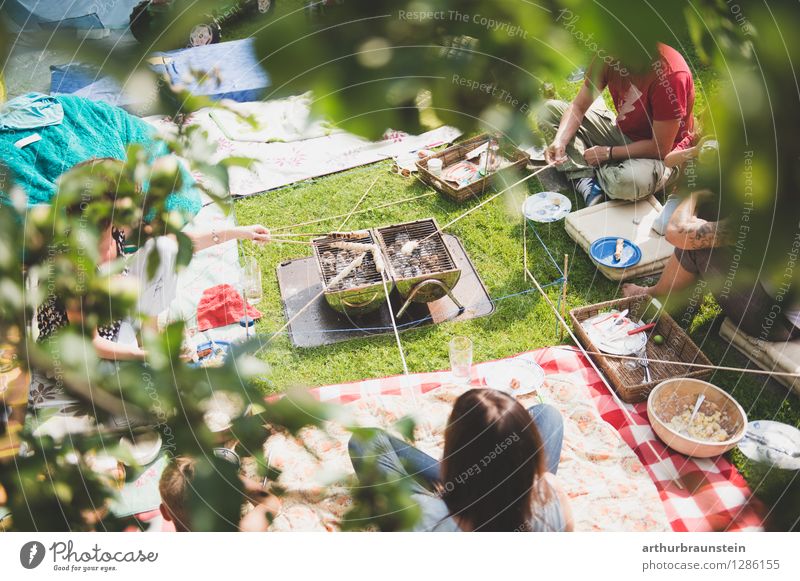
<point>685,230</point>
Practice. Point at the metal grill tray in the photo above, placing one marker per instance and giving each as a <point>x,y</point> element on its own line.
<point>320,325</point>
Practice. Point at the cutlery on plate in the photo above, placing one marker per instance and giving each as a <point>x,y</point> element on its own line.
<point>763,442</point>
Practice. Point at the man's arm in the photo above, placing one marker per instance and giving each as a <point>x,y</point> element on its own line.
<point>570,122</point>
<point>688,232</point>
<point>664,133</point>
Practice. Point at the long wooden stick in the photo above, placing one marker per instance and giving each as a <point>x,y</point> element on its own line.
<point>358,203</point>
<point>394,323</point>
<point>379,207</point>
<point>282,241</point>
<point>682,364</point>
<point>611,391</point>
<point>486,201</point>
<point>564,294</point>
<point>338,278</point>
<point>300,234</point>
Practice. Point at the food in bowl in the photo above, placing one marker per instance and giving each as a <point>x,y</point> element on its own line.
<point>674,400</point>
<point>704,426</point>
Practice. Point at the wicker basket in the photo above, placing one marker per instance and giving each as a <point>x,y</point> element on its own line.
<point>458,153</point>
<point>630,383</point>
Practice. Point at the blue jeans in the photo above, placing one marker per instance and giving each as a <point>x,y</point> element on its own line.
<point>397,458</point>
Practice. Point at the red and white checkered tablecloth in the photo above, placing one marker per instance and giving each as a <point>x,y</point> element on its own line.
<point>712,495</point>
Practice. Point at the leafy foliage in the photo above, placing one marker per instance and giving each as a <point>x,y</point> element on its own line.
<point>405,64</point>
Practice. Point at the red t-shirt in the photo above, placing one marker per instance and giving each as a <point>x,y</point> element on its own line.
<point>664,93</point>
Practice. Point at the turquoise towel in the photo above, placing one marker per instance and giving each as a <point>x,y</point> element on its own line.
<point>89,129</point>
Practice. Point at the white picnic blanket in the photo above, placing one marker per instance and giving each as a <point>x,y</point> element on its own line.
<point>280,120</point>
<point>281,163</point>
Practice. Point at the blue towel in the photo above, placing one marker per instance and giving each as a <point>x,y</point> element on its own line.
<point>80,14</point>
<point>30,111</point>
<point>241,76</point>
<point>89,130</point>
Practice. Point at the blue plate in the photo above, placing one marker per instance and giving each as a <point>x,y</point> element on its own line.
<point>602,252</point>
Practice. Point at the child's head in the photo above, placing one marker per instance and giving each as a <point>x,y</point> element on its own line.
<point>174,489</point>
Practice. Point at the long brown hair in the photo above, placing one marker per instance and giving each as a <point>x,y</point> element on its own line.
<point>493,459</point>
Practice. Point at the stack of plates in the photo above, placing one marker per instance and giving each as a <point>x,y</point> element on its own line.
<point>614,340</point>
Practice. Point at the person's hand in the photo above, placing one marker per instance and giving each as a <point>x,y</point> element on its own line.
<point>596,155</point>
<point>256,233</point>
<point>556,153</point>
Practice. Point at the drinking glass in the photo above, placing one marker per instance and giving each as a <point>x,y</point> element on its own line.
<point>251,280</point>
<point>461,359</point>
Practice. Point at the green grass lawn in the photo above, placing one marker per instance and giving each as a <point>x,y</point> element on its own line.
<point>492,238</point>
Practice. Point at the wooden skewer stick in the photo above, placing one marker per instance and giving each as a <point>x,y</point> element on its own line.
<point>358,203</point>
<point>379,207</point>
<point>676,477</point>
<point>410,246</point>
<point>564,295</point>
<point>682,363</point>
<point>300,242</point>
<point>300,234</point>
<point>394,323</point>
<point>336,280</point>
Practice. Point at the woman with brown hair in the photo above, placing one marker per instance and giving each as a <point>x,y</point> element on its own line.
<point>497,473</point>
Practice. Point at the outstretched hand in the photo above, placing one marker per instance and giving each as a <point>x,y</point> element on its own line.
<point>256,233</point>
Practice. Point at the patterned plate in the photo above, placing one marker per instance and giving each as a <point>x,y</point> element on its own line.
<point>546,207</point>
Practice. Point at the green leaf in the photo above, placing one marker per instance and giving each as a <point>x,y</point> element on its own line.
<point>153,263</point>
<point>297,410</point>
<point>185,250</point>
<point>405,427</point>
<point>245,162</point>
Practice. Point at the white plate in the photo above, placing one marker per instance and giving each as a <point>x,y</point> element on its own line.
<point>772,443</point>
<point>500,374</point>
<point>546,207</point>
<point>616,341</point>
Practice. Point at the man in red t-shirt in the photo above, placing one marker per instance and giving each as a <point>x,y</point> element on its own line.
<point>623,157</point>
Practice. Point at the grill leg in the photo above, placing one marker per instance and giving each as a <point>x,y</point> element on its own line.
<point>420,286</point>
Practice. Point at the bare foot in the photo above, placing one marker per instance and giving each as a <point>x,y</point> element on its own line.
<point>631,290</point>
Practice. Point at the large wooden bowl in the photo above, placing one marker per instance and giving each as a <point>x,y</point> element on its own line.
<point>672,396</point>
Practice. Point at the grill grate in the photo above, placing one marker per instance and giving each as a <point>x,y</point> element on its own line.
<point>333,260</point>
<point>429,258</point>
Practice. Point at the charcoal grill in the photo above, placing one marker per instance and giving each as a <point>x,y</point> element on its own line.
<point>360,292</point>
<point>429,272</point>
